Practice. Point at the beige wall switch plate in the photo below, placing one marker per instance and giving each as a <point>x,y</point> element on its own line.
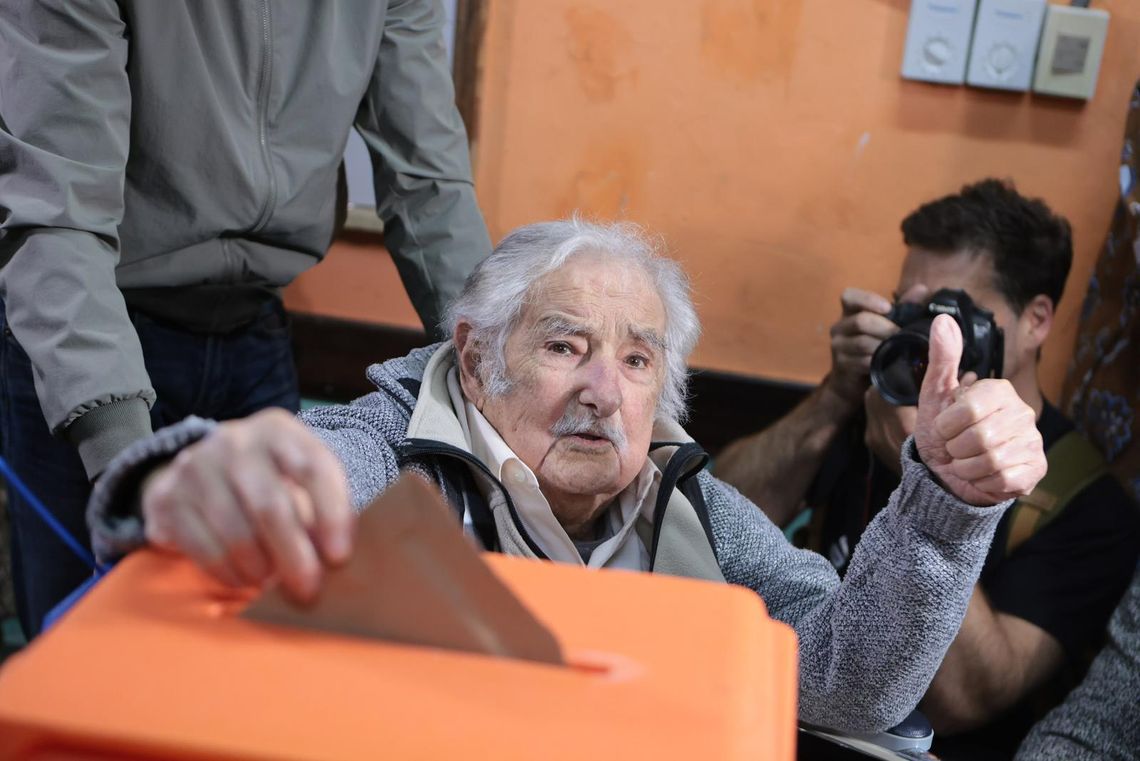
<point>1072,44</point>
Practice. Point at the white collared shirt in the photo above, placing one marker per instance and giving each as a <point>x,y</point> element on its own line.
<point>623,548</point>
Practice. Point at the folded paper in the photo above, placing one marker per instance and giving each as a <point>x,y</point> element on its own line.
<point>414,578</point>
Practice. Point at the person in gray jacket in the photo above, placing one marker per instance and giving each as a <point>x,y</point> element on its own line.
<point>1100,719</point>
<point>164,169</point>
<point>550,422</point>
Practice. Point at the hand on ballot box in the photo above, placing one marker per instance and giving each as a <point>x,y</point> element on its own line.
<point>263,499</point>
<point>258,499</point>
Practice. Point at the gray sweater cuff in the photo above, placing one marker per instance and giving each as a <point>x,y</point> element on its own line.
<point>938,513</point>
<point>107,430</point>
<point>113,513</point>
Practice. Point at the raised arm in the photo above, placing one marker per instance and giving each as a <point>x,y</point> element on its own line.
<point>869,646</point>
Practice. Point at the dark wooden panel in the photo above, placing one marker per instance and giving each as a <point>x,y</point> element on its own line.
<point>333,354</point>
<point>724,407</point>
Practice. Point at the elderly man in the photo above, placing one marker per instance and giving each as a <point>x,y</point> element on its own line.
<point>549,422</point>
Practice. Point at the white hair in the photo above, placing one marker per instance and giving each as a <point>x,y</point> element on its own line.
<point>493,297</point>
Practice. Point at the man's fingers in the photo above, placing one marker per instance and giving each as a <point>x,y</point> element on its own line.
<point>1012,482</point>
<point>269,506</point>
<point>320,475</point>
<point>855,300</point>
<point>990,435</point>
<point>942,364</point>
<point>856,346</point>
<point>1010,454</point>
<point>864,324</point>
<point>206,549</point>
<point>173,523</point>
<point>223,516</point>
<point>970,407</point>
<point>302,506</point>
<point>983,416</point>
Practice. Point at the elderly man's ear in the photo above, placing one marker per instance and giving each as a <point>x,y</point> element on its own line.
<point>468,351</point>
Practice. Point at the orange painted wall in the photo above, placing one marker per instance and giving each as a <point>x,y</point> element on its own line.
<point>356,281</point>
<point>772,143</point>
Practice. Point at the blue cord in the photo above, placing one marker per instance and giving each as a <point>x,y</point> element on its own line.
<point>50,520</point>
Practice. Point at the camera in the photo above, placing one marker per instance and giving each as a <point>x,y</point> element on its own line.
<point>899,364</point>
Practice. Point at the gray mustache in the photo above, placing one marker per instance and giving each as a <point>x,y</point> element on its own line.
<point>578,421</point>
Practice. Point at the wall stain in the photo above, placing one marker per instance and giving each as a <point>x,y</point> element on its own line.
<point>608,182</point>
<point>598,48</point>
<point>750,41</point>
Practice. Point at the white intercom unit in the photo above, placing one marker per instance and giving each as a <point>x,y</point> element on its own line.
<point>1072,44</point>
<point>1004,49</point>
<point>938,40</point>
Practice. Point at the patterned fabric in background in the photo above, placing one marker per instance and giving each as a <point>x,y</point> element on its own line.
<point>1102,387</point>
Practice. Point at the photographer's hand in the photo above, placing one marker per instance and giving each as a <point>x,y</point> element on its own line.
<point>854,338</point>
<point>980,440</point>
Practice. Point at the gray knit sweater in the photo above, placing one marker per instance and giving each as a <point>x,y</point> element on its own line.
<point>869,645</point>
<point>1101,718</point>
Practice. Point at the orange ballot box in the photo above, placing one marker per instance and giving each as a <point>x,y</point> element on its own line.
<point>156,662</point>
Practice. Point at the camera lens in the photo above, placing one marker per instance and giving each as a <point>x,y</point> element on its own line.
<point>898,367</point>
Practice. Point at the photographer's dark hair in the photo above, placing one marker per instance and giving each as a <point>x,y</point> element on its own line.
<point>1031,247</point>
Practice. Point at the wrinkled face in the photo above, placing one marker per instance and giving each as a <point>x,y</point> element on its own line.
<point>587,367</point>
<point>975,275</point>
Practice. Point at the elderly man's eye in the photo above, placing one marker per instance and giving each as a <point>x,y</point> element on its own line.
<point>560,347</point>
<point>637,361</point>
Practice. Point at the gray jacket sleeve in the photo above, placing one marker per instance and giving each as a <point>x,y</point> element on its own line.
<point>113,513</point>
<point>1101,718</point>
<point>869,645</point>
<point>64,131</point>
<point>424,192</point>
<point>359,434</point>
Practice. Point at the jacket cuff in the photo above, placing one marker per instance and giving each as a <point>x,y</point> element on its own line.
<point>107,430</point>
<point>114,513</point>
<point>932,509</point>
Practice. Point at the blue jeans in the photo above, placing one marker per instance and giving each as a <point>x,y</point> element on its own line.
<point>220,376</point>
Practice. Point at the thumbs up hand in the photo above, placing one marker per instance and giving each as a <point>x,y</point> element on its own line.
<point>980,440</point>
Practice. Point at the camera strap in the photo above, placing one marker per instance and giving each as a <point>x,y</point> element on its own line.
<point>1073,463</point>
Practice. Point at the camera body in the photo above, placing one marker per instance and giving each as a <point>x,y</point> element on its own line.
<point>899,364</point>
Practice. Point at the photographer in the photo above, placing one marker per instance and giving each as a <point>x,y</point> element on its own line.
<point>1058,565</point>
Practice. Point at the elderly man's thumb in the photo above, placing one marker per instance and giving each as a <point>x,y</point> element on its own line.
<point>941,380</point>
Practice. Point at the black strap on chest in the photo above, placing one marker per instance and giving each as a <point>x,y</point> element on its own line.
<point>462,494</point>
